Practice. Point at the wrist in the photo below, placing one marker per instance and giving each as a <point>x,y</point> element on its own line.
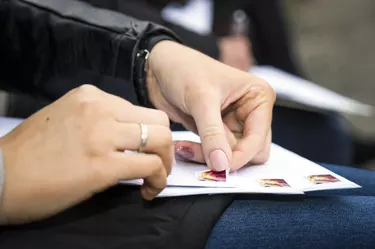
<point>158,55</point>
<point>151,83</point>
<point>155,66</point>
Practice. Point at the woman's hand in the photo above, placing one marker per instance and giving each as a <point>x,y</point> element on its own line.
<point>231,110</point>
<point>73,149</point>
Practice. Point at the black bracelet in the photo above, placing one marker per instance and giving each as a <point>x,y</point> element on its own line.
<point>140,66</point>
<point>140,75</point>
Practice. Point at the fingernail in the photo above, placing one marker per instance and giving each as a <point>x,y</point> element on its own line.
<point>219,160</point>
<point>184,153</point>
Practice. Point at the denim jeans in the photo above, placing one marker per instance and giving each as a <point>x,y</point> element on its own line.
<point>326,219</point>
<point>319,137</point>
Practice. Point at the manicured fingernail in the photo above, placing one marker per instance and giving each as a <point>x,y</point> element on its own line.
<point>219,160</point>
<point>184,153</point>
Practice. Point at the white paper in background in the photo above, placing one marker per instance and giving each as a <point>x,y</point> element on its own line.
<point>196,15</point>
<point>7,124</point>
<point>301,91</point>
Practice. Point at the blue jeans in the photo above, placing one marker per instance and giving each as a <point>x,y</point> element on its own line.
<point>319,137</point>
<point>327,219</point>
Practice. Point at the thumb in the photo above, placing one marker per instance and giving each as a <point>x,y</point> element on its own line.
<point>216,149</point>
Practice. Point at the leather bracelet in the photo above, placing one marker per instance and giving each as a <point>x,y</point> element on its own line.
<point>141,77</point>
<point>144,54</point>
<point>140,67</point>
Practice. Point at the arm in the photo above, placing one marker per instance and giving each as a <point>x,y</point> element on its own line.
<point>43,41</point>
<point>150,11</point>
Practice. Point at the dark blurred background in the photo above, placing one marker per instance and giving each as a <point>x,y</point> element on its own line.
<point>333,42</point>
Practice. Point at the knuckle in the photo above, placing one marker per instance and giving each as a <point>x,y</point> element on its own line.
<point>157,162</point>
<point>166,136</point>
<point>212,131</point>
<point>162,183</point>
<point>87,89</point>
<point>168,170</point>
<point>101,174</point>
<point>163,117</point>
<point>95,139</point>
<point>158,166</point>
<point>97,145</point>
<point>262,157</point>
<point>273,95</point>
<point>268,90</point>
<point>164,149</point>
<point>271,92</point>
<point>263,90</point>
<point>88,101</point>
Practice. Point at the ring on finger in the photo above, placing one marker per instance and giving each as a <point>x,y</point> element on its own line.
<point>144,136</point>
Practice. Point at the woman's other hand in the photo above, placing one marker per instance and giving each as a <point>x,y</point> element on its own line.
<point>74,148</point>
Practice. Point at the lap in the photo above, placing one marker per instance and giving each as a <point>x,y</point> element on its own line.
<point>297,222</point>
<point>120,218</point>
<point>326,219</point>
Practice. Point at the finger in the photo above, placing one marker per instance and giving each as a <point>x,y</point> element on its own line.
<point>259,158</point>
<point>192,151</point>
<point>230,120</point>
<point>128,137</point>
<point>146,116</point>
<point>140,166</point>
<point>153,185</point>
<point>255,131</point>
<point>188,151</point>
<point>125,112</point>
<point>263,156</point>
<point>207,116</point>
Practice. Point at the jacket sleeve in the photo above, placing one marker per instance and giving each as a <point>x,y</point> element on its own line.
<point>206,44</point>
<point>43,41</point>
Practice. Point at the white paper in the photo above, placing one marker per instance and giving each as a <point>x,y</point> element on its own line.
<point>282,164</point>
<point>196,15</point>
<point>301,91</point>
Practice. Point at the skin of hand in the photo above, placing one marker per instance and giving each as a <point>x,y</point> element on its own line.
<point>229,109</point>
<point>235,51</point>
<point>74,148</point>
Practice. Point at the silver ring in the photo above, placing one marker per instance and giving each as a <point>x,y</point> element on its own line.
<point>144,135</point>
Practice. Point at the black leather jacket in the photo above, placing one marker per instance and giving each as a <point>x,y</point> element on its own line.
<point>46,44</point>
